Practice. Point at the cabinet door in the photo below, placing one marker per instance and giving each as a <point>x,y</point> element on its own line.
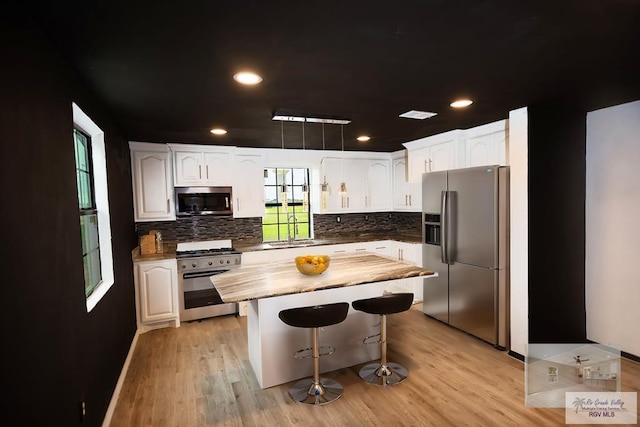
<point>379,186</point>
<point>441,156</point>
<point>355,177</point>
<point>158,290</point>
<point>248,188</point>
<point>188,167</point>
<point>332,174</point>
<point>152,186</point>
<point>400,186</point>
<point>486,149</point>
<point>217,168</point>
<point>418,163</point>
<point>415,196</point>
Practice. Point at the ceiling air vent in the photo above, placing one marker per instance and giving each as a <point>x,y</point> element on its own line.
<point>419,115</point>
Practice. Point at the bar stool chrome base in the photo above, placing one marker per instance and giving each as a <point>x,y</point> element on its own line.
<point>389,374</point>
<point>309,392</point>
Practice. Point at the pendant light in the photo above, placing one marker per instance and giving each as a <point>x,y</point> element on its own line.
<point>324,186</point>
<point>284,197</point>
<point>305,187</point>
<point>343,185</point>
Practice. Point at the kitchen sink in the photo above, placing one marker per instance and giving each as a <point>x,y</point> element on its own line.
<point>294,244</point>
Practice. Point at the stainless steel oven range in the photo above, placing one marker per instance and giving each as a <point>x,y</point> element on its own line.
<point>197,263</point>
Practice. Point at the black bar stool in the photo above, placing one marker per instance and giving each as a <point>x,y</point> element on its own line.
<point>383,373</point>
<point>316,391</point>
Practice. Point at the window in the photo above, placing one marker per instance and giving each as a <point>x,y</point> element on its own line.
<point>292,220</point>
<point>88,212</point>
<point>93,202</point>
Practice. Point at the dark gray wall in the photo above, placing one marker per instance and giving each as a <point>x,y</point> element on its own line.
<point>56,354</point>
<point>557,172</point>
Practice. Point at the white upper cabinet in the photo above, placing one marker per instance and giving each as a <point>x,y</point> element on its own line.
<point>152,182</point>
<point>248,185</point>
<point>486,145</point>
<point>378,197</point>
<point>200,165</point>
<point>478,146</point>
<point>367,182</point>
<point>432,154</point>
<point>407,196</point>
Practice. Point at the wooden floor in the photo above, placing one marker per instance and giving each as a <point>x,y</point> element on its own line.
<point>199,375</point>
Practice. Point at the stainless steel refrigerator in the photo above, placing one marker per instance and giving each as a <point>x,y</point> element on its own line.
<point>465,228</point>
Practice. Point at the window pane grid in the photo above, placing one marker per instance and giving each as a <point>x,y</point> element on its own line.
<point>275,220</point>
<point>88,213</point>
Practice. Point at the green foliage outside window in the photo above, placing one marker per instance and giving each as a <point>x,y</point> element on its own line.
<point>274,223</point>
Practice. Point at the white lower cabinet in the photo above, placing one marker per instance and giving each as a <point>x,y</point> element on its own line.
<point>156,284</point>
<point>409,252</point>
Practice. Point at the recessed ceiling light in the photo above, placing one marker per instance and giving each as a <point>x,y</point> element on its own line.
<point>363,138</point>
<point>247,78</point>
<point>416,114</point>
<point>218,131</point>
<point>461,103</point>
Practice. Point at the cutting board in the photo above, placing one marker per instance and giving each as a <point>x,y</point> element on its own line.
<point>148,243</point>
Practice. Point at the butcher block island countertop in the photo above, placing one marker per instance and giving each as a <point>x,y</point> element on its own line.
<point>250,282</point>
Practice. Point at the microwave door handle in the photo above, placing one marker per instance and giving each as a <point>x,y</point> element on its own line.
<point>226,202</point>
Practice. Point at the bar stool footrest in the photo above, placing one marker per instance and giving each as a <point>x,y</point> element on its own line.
<point>323,350</point>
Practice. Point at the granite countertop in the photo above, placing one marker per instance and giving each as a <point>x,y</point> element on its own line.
<point>168,252</point>
<point>169,247</point>
<point>366,237</point>
<point>283,278</point>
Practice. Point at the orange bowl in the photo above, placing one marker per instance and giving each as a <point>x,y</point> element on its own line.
<point>312,265</point>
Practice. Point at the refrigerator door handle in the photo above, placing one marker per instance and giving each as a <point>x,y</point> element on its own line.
<point>444,224</point>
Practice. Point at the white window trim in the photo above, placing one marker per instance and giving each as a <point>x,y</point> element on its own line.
<point>82,121</point>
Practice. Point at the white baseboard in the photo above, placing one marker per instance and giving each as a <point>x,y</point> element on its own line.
<point>116,393</point>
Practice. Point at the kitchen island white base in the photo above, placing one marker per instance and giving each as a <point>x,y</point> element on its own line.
<point>272,343</point>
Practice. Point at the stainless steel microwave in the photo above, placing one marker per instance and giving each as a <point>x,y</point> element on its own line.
<point>193,201</point>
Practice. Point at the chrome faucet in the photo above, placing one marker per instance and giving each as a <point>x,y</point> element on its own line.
<point>290,238</point>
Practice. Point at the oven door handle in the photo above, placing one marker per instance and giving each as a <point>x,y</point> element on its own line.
<point>201,274</point>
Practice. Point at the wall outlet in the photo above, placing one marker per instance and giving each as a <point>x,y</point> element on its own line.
<point>338,219</point>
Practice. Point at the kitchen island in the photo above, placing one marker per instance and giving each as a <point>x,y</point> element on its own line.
<point>278,286</point>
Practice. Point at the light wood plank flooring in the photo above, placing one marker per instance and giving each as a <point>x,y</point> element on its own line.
<point>199,375</point>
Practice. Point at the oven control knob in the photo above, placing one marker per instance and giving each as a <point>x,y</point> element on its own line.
<point>193,265</point>
<point>184,266</point>
<point>228,261</point>
<point>221,261</point>
<point>210,263</point>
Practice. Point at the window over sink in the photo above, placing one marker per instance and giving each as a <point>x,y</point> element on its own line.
<point>287,213</point>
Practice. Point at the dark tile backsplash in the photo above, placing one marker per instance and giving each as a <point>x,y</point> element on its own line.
<point>250,229</point>
<point>327,225</point>
<point>206,228</point>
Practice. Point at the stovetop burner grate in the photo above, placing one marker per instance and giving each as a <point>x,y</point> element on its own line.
<point>204,252</point>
